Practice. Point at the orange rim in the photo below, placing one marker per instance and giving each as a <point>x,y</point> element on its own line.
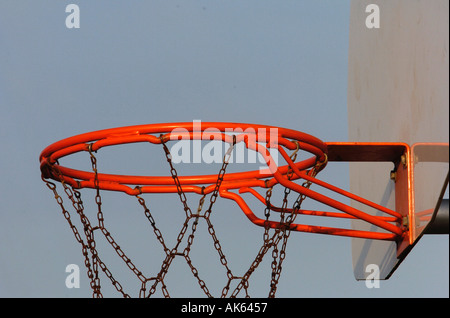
<point>250,134</point>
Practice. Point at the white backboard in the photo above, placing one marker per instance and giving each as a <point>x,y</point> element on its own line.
<point>398,81</point>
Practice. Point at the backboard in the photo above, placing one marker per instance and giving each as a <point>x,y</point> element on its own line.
<point>398,79</point>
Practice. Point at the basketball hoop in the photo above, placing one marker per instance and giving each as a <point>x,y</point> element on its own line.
<point>295,176</point>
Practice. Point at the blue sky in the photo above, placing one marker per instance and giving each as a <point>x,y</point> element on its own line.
<point>281,63</point>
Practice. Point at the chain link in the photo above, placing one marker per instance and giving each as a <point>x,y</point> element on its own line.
<point>206,216</point>
<point>92,262</point>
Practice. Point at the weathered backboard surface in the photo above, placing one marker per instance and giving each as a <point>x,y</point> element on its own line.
<point>398,80</point>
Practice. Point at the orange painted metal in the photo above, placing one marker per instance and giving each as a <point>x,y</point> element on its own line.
<point>247,181</point>
<point>400,155</point>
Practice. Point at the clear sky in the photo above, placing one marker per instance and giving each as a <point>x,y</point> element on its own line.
<point>281,63</point>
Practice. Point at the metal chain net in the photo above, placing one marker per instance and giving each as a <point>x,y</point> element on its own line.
<point>277,241</point>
